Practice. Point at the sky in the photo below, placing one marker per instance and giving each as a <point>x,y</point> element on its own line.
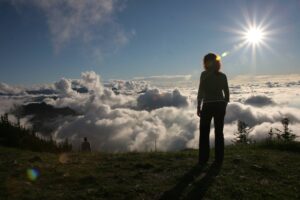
<point>130,69</point>
<point>42,41</point>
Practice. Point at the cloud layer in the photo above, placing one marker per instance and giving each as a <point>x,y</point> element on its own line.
<point>140,115</point>
<point>153,99</point>
<point>259,101</point>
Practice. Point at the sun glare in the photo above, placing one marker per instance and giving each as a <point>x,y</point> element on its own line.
<point>254,36</point>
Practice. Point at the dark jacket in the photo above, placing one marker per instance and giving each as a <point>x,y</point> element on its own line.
<point>213,87</point>
<point>85,146</point>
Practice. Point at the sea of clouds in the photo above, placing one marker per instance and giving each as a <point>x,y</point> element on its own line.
<point>133,115</point>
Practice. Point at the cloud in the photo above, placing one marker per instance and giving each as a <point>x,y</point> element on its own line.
<point>255,116</point>
<point>113,122</point>
<point>8,102</point>
<point>168,81</point>
<point>64,87</point>
<point>259,101</point>
<point>90,22</point>
<point>135,121</point>
<point>127,130</point>
<point>165,77</point>
<point>41,91</point>
<point>92,81</point>
<point>153,99</point>
<point>292,83</point>
<point>269,80</point>
<point>95,94</point>
<point>128,87</point>
<point>89,82</point>
<point>272,84</point>
<point>6,89</point>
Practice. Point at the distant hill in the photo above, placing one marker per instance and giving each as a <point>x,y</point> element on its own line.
<point>43,110</point>
<point>257,171</point>
<point>43,116</point>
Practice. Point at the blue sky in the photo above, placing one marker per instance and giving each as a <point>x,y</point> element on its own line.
<point>42,41</point>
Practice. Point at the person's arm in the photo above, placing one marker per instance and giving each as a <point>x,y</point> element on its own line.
<point>200,95</point>
<point>226,89</point>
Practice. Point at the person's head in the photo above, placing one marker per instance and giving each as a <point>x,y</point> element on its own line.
<point>85,139</point>
<point>212,61</point>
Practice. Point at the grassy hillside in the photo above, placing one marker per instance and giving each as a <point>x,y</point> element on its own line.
<point>248,172</point>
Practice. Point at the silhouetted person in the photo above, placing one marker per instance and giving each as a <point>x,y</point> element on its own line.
<point>85,146</point>
<point>213,96</point>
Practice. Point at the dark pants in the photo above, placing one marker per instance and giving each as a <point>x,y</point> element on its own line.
<point>217,111</point>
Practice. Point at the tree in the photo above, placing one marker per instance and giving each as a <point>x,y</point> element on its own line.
<point>14,135</point>
<point>283,135</point>
<point>242,134</point>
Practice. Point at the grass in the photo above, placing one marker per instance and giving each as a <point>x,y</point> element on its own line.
<point>258,171</point>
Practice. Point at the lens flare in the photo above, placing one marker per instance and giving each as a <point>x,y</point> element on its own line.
<point>32,174</point>
<point>224,54</point>
<point>64,158</point>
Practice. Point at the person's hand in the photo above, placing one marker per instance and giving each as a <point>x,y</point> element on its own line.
<point>199,112</point>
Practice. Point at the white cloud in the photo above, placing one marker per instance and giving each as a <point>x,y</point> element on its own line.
<point>153,99</point>
<point>8,89</point>
<point>168,81</point>
<point>126,129</point>
<point>118,122</point>
<point>165,77</point>
<point>121,129</point>
<point>128,86</point>
<point>246,79</point>
<point>92,81</point>
<point>254,116</point>
<point>64,87</point>
<point>259,101</point>
<point>8,102</point>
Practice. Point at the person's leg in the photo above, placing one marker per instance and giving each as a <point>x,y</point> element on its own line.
<point>219,136</point>
<point>205,121</point>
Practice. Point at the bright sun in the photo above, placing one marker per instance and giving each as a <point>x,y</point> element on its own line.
<point>251,35</point>
<point>254,36</point>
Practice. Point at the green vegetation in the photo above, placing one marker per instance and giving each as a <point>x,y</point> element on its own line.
<point>242,134</point>
<point>270,170</point>
<point>275,135</point>
<point>14,135</point>
<point>265,170</point>
<point>282,135</point>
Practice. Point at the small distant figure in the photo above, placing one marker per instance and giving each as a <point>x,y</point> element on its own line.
<point>85,145</point>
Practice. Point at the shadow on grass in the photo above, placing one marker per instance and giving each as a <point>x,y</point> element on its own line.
<point>199,187</point>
